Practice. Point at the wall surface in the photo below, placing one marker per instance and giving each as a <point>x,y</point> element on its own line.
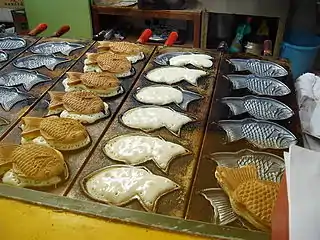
<point>75,13</point>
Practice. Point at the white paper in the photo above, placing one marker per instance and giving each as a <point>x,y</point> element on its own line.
<point>303,183</point>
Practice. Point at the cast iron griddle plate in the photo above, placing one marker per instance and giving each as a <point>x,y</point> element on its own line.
<point>215,140</point>
<point>38,90</point>
<point>75,159</point>
<point>15,52</point>
<point>181,169</point>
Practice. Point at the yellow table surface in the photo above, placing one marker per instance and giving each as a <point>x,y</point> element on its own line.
<point>22,221</point>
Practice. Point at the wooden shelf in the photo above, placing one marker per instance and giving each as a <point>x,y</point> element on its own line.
<point>192,14</point>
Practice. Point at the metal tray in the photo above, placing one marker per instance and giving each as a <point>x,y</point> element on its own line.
<point>215,141</point>
<point>38,90</point>
<point>76,159</point>
<point>181,169</point>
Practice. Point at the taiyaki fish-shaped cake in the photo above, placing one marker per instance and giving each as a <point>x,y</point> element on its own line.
<point>109,62</point>
<point>135,149</point>
<point>34,165</point>
<point>85,107</point>
<point>102,84</point>
<point>250,198</point>
<point>60,133</point>
<point>131,51</point>
<point>120,184</point>
<point>150,118</point>
<point>171,75</point>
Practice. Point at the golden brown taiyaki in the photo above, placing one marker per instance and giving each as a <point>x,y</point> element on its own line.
<point>251,198</point>
<point>60,133</point>
<point>102,84</point>
<point>131,51</point>
<point>34,165</point>
<point>109,62</point>
<point>85,107</point>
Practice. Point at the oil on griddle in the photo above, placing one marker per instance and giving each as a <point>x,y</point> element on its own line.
<point>75,159</point>
<point>34,82</point>
<point>215,140</point>
<point>181,169</point>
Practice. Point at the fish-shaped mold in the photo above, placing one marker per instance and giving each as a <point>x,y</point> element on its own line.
<point>109,62</point>
<point>259,85</point>
<point>259,107</point>
<point>151,118</point>
<point>60,133</point>
<point>37,61</point>
<point>134,149</point>
<point>171,75</point>
<point>34,165</point>
<point>251,198</point>
<point>121,184</point>
<point>85,107</point>
<point>11,96</point>
<point>223,212</point>
<point>164,58</point>
<point>164,94</point>
<point>3,56</point>
<point>12,43</point>
<point>270,167</point>
<point>23,77</point>
<point>102,84</point>
<point>133,52</point>
<point>259,68</point>
<point>261,133</point>
<point>49,48</point>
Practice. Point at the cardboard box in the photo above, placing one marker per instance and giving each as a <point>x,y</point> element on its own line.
<point>12,4</point>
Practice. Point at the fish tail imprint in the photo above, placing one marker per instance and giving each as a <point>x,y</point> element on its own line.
<point>233,129</point>
<point>31,126</point>
<point>238,81</point>
<point>56,98</point>
<point>223,213</point>
<point>188,97</point>
<point>236,105</point>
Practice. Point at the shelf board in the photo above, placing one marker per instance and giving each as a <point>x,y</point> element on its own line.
<point>187,14</point>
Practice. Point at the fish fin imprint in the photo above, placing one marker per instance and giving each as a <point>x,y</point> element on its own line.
<point>231,178</point>
<point>56,99</point>
<point>238,81</point>
<point>223,213</point>
<point>188,97</point>
<point>236,105</point>
<point>233,129</point>
<point>3,121</point>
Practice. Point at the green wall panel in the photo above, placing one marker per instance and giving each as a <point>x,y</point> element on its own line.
<point>56,13</point>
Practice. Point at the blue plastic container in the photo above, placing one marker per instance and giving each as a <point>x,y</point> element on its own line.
<point>301,50</point>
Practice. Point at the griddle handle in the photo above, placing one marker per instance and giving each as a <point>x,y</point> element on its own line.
<point>171,39</point>
<point>62,30</point>
<point>38,29</point>
<point>223,47</point>
<point>145,35</point>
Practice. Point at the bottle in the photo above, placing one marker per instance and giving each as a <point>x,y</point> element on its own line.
<point>242,30</point>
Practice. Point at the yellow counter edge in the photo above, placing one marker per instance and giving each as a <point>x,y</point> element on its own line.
<point>21,221</point>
